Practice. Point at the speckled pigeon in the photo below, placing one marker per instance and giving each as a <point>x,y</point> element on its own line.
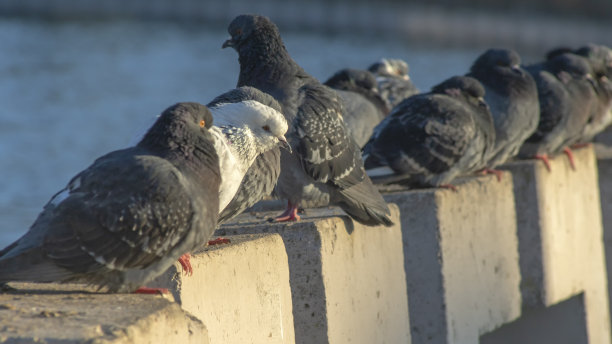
<point>429,139</point>
<point>261,177</point>
<point>364,108</point>
<point>130,215</point>
<point>394,84</point>
<point>325,166</point>
<point>512,96</point>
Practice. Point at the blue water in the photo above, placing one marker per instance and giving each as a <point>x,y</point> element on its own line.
<point>70,92</point>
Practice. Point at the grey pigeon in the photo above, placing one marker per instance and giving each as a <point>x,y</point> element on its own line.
<point>566,98</point>
<point>130,215</point>
<point>325,166</point>
<point>394,84</point>
<point>364,108</point>
<point>600,60</point>
<point>512,96</point>
<point>431,138</point>
<point>261,177</point>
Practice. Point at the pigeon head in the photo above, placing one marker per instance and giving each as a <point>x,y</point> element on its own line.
<point>180,124</point>
<point>242,93</point>
<point>249,29</point>
<point>569,66</point>
<point>496,58</point>
<point>390,67</point>
<point>463,85</point>
<point>267,125</point>
<point>600,58</point>
<point>353,79</point>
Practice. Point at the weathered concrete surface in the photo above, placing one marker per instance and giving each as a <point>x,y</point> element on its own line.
<point>347,280</point>
<point>605,193</point>
<point>461,259</point>
<point>240,291</point>
<point>54,313</point>
<point>560,237</point>
<point>562,323</point>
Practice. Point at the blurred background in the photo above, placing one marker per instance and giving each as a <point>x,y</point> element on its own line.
<point>79,78</point>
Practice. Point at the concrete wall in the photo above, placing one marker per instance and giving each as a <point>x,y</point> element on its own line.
<point>516,261</point>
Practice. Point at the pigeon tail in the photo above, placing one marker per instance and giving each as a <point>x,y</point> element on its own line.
<point>364,203</point>
<point>31,266</point>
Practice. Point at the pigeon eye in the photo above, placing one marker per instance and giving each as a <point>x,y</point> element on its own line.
<point>238,32</point>
<point>202,123</point>
<point>266,127</point>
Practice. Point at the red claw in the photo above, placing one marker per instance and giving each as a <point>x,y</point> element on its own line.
<point>290,214</point>
<point>151,291</point>
<point>570,157</point>
<point>219,241</point>
<point>185,262</point>
<point>449,186</point>
<point>544,159</point>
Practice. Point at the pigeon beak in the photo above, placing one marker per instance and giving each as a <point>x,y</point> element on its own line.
<point>228,43</point>
<point>284,143</point>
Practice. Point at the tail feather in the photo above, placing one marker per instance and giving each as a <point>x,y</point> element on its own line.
<point>365,204</point>
<point>31,266</point>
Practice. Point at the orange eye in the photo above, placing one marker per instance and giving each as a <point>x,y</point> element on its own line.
<point>238,31</point>
<point>266,127</point>
<point>202,123</point>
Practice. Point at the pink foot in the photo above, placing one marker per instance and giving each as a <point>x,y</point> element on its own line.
<point>449,186</point>
<point>544,159</point>
<point>219,241</point>
<point>580,145</point>
<point>570,157</point>
<point>290,214</point>
<point>186,264</point>
<point>151,291</point>
<point>497,173</point>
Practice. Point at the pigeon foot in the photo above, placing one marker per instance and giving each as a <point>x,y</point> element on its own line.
<point>544,159</point>
<point>570,157</point>
<point>151,291</point>
<point>186,264</point>
<point>219,241</point>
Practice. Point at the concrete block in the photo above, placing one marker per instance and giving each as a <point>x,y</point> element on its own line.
<point>54,313</point>
<point>240,291</point>
<point>347,280</point>
<point>560,237</point>
<point>461,259</point>
<point>605,193</point>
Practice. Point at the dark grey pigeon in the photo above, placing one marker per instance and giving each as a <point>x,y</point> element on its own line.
<point>566,98</point>
<point>261,177</point>
<point>394,84</point>
<point>600,60</point>
<point>512,96</point>
<point>325,166</point>
<point>130,215</point>
<point>431,138</point>
<point>363,106</point>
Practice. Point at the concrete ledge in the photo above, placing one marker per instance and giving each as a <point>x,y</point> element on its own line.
<point>240,291</point>
<point>52,313</point>
<point>347,280</point>
<point>461,259</point>
<point>560,237</point>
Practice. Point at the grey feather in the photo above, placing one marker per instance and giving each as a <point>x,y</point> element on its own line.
<point>260,179</point>
<point>325,159</point>
<point>364,108</point>
<point>429,139</point>
<point>131,214</point>
<point>394,84</point>
<point>512,96</point>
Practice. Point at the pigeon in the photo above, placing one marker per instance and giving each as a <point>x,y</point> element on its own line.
<point>600,60</point>
<point>394,84</point>
<point>431,138</point>
<point>325,166</point>
<point>130,215</point>
<point>566,98</point>
<point>512,96</point>
<point>261,177</point>
<point>363,106</point>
